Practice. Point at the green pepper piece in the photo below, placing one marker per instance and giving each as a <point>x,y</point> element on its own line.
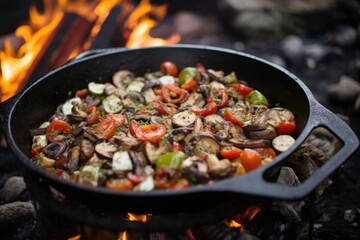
<point>189,73</point>
<point>170,159</point>
<point>231,78</point>
<point>256,97</point>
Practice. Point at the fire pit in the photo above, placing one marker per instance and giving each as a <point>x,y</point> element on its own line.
<point>325,60</point>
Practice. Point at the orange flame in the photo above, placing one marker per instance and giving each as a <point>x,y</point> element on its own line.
<point>141,24</point>
<point>245,217</point>
<point>37,32</point>
<point>14,65</point>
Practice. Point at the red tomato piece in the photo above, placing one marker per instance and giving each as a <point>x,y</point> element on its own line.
<point>285,128</point>
<point>93,116</point>
<point>177,147</point>
<point>229,116</point>
<point>219,93</point>
<point>169,68</point>
<point>268,153</point>
<point>106,127</point>
<point>133,126</point>
<point>135,179</point>
<point>250,159</point>
<point>119,184</point>
<point>181,184</point>
<point>209,108</point>
<point>152,133</point>
<point>164,109</point>
<point>230,152</point>
<point>243,88</point>
<point>119,119</point>
<point>36,149</point>
<point>56,128</point>
<point>172,94</point>
<point>82,93</point>
<point>189,85</point>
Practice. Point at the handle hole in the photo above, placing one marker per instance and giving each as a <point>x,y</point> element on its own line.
<point>313,153</point>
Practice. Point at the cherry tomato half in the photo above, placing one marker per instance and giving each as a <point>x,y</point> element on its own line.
<point>56,128</point>
<point>229,116</point>
<point>119,119</point>
<point>250,159</point>
<point>106,127</point>
<point>209,108</point>
<point>172,94</point>
<point>119,184</point>
<point>133,126</point>
<point>93,116</point>
<point>285,128</point>
<point>220,95</point>
<point>152,133</point>
<point>230,152</point>
<point>169,68</point>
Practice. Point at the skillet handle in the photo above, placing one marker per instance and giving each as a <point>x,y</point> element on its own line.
<point>319,117</point>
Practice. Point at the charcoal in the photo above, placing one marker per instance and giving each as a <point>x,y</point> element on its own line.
<point>289,210</point>
<point>16,220</point>
<point>12,189</point>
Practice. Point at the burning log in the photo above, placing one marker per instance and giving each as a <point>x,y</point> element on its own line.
<point>69,36</point>
<point>106,35</point>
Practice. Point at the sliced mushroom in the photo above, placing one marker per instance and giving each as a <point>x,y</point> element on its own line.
<point>87,149</point>
<point>195,99</point>
<point>73,160</point>
<point>218,168</point>
<point>250,143</point>
<point>105,149</point>
<point>138,161</point>
<point>152,152</point>
<point>216,75</point>
<point>198,125</point>
<point>134,98</point>
<point>196,170</point>
<point>197,142</point>
<point>183,118</point>
<point>156,119</point>
<point>91,134</point>
<point>45,162</point>
<point>122,78</point>
<point>213,118</point>
<point>53,150</point>
<point>179,134</point>
<point>150,84</point>
<point>267,133</point>
<point>109,89</point>
<point>126,143</point>
<point>76,118</point>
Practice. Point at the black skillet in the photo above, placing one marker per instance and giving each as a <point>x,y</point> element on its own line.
<point>36,103</point>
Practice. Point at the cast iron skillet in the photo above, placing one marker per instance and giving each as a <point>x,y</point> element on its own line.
<point>37,102</point>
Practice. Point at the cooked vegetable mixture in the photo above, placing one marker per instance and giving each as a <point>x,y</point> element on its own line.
<point>169,129</point>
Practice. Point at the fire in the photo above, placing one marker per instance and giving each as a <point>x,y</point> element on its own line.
<point>17,64</point>
<point>141,24</point>
<point>242,218</point>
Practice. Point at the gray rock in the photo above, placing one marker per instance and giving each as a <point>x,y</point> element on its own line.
<point>12,188</point>
<point>293,50</point>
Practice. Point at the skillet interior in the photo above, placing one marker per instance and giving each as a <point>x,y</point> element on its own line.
<point>40,100</point>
